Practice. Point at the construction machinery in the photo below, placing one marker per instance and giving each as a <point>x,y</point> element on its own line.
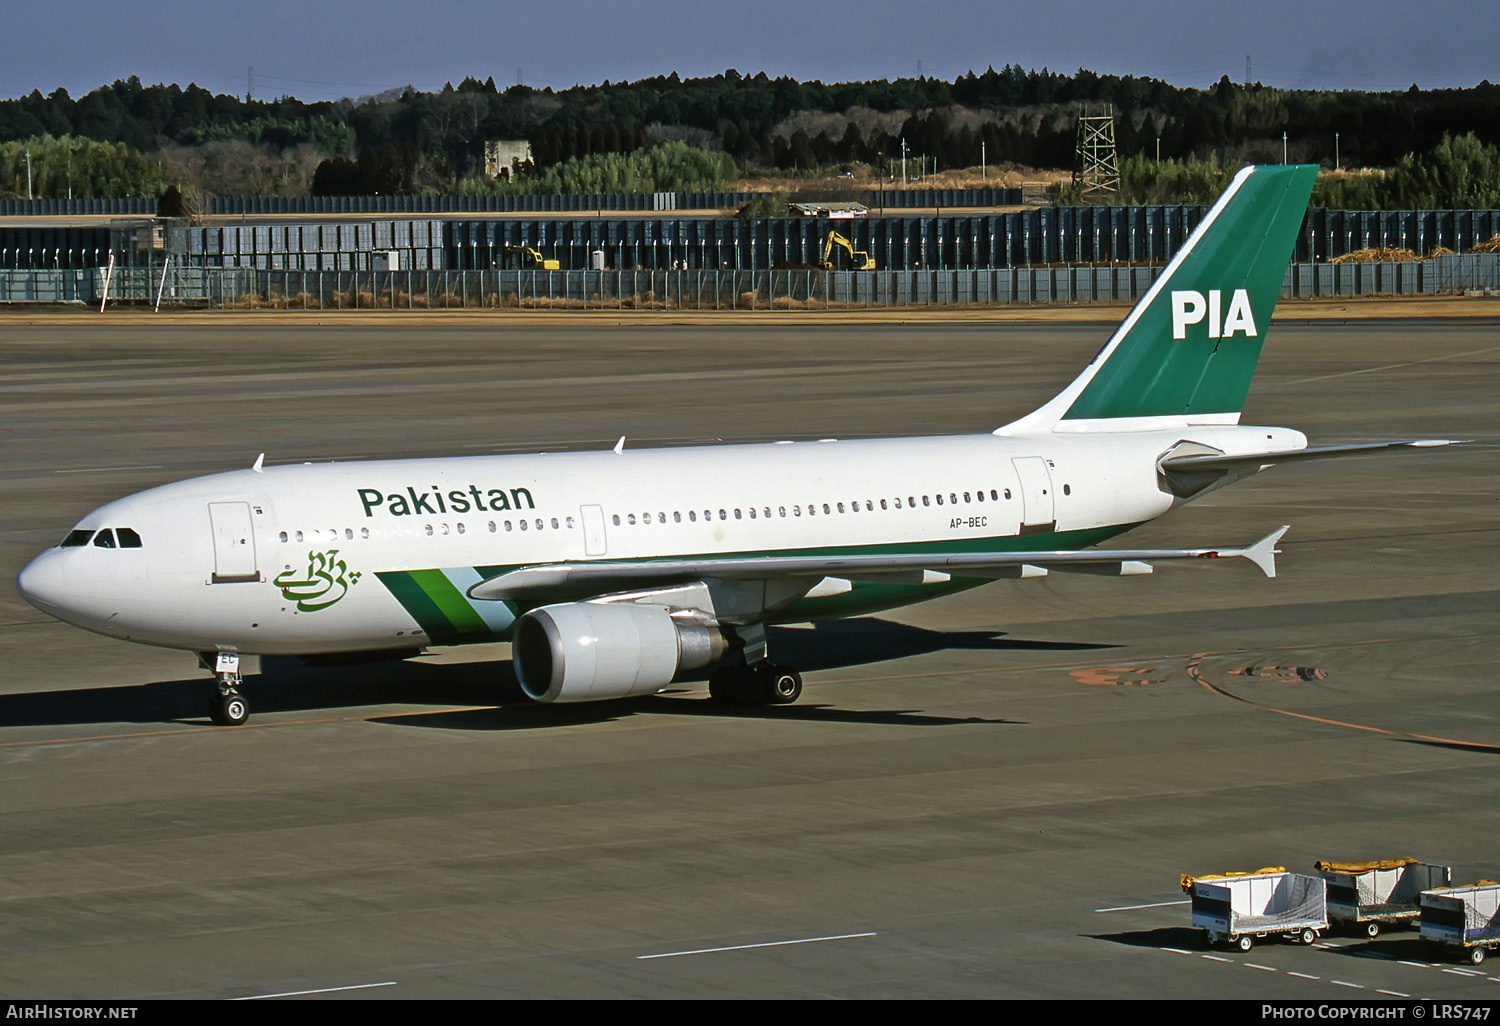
<point>525,258</point>
<point>849,258</point>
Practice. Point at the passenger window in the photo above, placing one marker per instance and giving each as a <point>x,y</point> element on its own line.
<point>940,498</point>
<point>737,515</point>
<point>507,525</point>
<point>105,539</point>
<point>781,510</point>
<point>348,533</point>
<point>298,536</point>
<point>460,528</point>
<point>283,536</point>
<point>364,532</point>
<point>570,523</point>
<point>926,501</point>
<point>676,517</point>
<point>1007,493</point>
<point>128,538</point>
<point>554,524</point>
<point>693,515</point>
<point>882,504</point>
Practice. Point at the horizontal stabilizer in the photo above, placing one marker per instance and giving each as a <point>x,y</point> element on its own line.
<point>603,577</point>
<point>1205,462</point>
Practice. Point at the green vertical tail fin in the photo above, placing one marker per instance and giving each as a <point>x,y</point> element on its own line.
<point>1189,348</point>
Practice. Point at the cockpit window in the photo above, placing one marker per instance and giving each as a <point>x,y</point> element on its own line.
<point>128,538</point>
<point>105,539</point>
<point>75,539</point>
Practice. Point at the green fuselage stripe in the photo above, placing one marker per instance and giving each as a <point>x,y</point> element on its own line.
<point>450,601</point>
<point>443,614</point>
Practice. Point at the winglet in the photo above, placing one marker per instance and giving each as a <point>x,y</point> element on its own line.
<point>260,462</point>
<point>1263,553</point>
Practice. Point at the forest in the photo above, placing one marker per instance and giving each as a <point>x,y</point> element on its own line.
<point>130,139</point>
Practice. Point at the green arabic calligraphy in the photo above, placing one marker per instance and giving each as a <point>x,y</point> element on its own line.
<point>326,580</point>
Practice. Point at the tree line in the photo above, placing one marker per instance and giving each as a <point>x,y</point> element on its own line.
<point>412,141</point>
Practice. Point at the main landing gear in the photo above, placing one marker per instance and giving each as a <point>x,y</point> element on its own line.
<point>758,681</point>
<point>228,708</point>
<point>761,684</point>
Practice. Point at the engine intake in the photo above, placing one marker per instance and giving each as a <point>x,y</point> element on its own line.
<point>591,651</point>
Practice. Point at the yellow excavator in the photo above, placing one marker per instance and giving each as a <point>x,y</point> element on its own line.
<point>851,260</point>
<point>525,258</point>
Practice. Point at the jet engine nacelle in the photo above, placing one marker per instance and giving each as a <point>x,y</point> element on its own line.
<point>590,651</point>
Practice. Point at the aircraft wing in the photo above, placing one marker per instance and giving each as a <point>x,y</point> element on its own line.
<point>1204,462</point>
<point>602,577</point>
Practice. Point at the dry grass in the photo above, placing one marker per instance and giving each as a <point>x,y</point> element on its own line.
<point>1487,246</point>
<point>1374,256</point>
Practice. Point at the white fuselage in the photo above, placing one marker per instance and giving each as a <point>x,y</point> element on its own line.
<point>346,557</point>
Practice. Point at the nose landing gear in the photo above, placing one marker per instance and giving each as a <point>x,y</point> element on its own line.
<point>228,708</point>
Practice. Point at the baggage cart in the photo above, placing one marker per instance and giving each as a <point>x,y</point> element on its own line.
<point>1465,920</point>
<point>1239,908</point>
<point>1367,897</point>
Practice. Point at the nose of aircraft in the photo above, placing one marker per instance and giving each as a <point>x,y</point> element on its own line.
<point>42,582</point>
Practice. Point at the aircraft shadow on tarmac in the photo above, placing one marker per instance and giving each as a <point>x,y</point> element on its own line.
<point>1461,746</point>
<point>287,685</point>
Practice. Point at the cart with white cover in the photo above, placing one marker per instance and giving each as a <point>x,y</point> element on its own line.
<point>1368,896</point>
<point>1239,908</point>
<point>1463,918</point>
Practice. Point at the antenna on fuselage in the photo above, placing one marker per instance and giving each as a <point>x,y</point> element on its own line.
<point>620,445</point>
<point>260,462</point>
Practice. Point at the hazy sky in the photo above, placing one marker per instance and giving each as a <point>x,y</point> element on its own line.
<point>321,49</point>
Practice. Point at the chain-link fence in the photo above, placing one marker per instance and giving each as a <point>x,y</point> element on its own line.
<point>251,289</point>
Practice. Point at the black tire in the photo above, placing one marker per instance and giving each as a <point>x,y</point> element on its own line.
<point>783,685</point>
<point>1372,930</point>
<point>229,710</point>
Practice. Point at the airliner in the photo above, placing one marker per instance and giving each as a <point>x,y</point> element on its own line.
<point>614,572</point>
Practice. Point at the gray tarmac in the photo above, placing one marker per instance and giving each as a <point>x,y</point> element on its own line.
<point>991,795</point>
